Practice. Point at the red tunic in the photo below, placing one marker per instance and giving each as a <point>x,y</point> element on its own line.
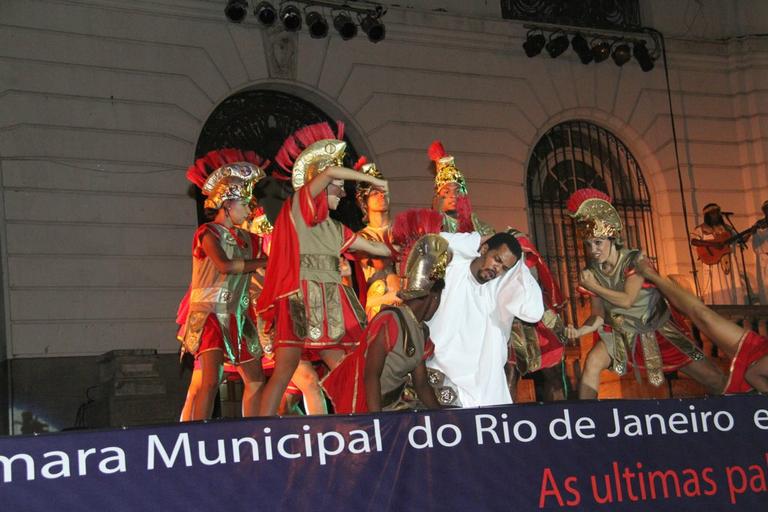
<point>752,347</point>
<point>305,312</point>
<point>345,385</point>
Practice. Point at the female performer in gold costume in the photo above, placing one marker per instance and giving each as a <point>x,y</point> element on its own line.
<point>636,327</point>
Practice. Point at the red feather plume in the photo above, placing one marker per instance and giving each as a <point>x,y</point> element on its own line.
<point>581,195</point>
<point>436,151</point>
<point>464,214</point>
<point>360,163</point>
<point>198,172</point>
<point>412,224</point>
<point>300,139</point>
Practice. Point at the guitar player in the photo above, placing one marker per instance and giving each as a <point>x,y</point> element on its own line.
<point>760,246</point>
<point>721,283</point>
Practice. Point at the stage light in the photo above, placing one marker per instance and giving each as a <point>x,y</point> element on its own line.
<point>533,44</point>
<point>557,44</point>
<point>373,27</point>
<point>236,10</point>
<point>640,51</point>
<point>290,16</point>
<point>265,13</point>
<point>601,51</point>
<point>621,54</point>
<point>582,49</point>
<point>318,27</point>
<point>344,25</point>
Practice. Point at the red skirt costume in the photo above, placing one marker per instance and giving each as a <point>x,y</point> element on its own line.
<point>649,335</point>
<point>345,385</point>
<point>752,347</point>
<point>215,314</point>
<point>303,297</point>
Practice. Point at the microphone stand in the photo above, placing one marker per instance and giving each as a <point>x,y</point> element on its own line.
<point>742,244</point>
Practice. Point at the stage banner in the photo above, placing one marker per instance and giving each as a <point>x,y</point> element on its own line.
<point>703,455</point>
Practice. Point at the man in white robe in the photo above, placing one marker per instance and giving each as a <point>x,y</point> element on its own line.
<point>486,287</point>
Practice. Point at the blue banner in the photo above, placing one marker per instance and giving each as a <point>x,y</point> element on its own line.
<point>704,454</point>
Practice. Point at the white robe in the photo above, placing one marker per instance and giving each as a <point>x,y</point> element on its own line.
<point>471,327</point>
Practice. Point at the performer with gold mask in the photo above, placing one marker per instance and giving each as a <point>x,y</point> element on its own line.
<point>381,280</point>
<point>217,324</point>
<point>303,299</point>
<point>451,197</point>
<point>396,343</point>
<point>636,327</point>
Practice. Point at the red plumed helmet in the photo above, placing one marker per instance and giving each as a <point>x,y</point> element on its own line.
<point>412,224</point>
<point>198,172</point>
<point>581,195</point>
<point>299,140</point>
<point>436,151</point>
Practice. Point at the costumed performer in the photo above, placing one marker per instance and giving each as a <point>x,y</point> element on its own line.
<point>396,342</point>
<point>216,321</point>
<point>635,327</point>
<point>539,346</point>
<point>381,280</point>
<point>451,197</point>
<point>312,312</point>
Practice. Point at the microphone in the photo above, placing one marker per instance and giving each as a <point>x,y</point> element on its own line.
<point>726,213</point>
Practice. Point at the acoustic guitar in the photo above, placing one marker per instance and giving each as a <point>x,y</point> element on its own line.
<point>713,250</point>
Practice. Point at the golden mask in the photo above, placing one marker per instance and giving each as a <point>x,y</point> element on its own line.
<point>426,263</point>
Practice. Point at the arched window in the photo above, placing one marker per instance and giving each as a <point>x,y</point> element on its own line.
<point>573,155</point>
<point>260,120</point>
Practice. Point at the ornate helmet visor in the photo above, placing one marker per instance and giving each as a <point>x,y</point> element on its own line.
<point>426,263</point>
<point>309,151</point>
<point>231,181</point>
<point>595,216</point>
<point>315,159</point>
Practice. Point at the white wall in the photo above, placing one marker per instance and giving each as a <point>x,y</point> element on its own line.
<point>102,103</point>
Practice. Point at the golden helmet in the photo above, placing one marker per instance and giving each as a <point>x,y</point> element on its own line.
<point>310,150</point>
<point>315,159</point>
<point>594,214</point>
<point>445,168</point>
<point>426,263</point>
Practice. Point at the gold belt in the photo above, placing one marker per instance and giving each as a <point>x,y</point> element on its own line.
<point>319,262</point>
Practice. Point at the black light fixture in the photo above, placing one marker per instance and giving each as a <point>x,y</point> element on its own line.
<point>318,27</point>
<point>534,43</point>
<point>582,49</point>
<point>621,54</point>
<point>236,10</point>
<point>290,16</point>
<point>621,48</point>
<point>601,51</point>
<point>344,25</point>
<point>373,27</point>
<point>265,13</point>
<point>640,51</point>
<point>558,43</point>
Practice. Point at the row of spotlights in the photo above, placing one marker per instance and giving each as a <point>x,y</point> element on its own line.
<point>291,19</point>
<point>597,51</point>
